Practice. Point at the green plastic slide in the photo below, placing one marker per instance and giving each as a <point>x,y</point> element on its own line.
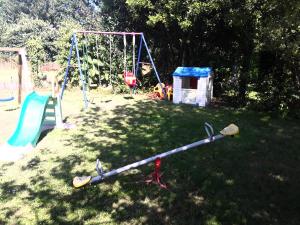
<point>30,121</point>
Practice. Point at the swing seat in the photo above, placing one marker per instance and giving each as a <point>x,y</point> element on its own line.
<point>7,99</point>
<point>130,79</point>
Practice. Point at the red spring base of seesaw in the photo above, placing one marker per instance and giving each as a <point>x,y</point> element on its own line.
<point>156,176</point>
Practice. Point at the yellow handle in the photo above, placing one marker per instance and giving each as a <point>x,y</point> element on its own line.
<point>230,130</point>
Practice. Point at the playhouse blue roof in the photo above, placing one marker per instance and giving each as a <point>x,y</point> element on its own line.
<point>192,72</point>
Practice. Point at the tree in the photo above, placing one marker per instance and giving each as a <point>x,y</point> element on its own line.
<point>278,49</point>
<point>35,50</point>
<point>41,18</point>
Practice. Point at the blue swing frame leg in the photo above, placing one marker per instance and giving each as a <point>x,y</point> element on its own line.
<point>153,65</point>
<point>74,44</point>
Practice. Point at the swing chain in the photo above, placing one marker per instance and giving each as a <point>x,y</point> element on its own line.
<point>209,130</point>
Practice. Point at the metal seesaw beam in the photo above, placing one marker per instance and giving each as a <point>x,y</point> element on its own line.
<point>230,130</point>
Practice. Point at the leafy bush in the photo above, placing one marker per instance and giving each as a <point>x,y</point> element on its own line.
<point>36,52</point>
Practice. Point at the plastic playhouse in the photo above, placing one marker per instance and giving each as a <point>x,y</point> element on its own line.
<point>193,85</point>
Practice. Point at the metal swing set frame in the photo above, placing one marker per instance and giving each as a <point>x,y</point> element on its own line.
<point>83,79</point>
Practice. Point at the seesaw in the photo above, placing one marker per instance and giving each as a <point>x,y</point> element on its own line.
<point>82,181</point>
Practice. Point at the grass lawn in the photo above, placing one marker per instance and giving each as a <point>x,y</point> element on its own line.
<point>250,179</point>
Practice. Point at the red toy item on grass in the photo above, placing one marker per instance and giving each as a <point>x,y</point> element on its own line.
<point>155,177</point>
<point>130,79</point>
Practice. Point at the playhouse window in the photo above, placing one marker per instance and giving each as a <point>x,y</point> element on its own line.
<point>189,82</point>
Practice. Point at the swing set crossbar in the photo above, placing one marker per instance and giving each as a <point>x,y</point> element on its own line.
<point>108,32</point>
<point>79,182</point>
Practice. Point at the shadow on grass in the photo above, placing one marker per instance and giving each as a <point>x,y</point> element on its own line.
<point>12,109</point>
<point>251,179</point>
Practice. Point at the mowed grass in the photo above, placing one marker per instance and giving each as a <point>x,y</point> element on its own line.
<point>250,179</point>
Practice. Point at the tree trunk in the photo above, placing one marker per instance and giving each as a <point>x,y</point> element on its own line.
<point>243,82</point>
<point>244,79</point>
<point>185,61</point>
